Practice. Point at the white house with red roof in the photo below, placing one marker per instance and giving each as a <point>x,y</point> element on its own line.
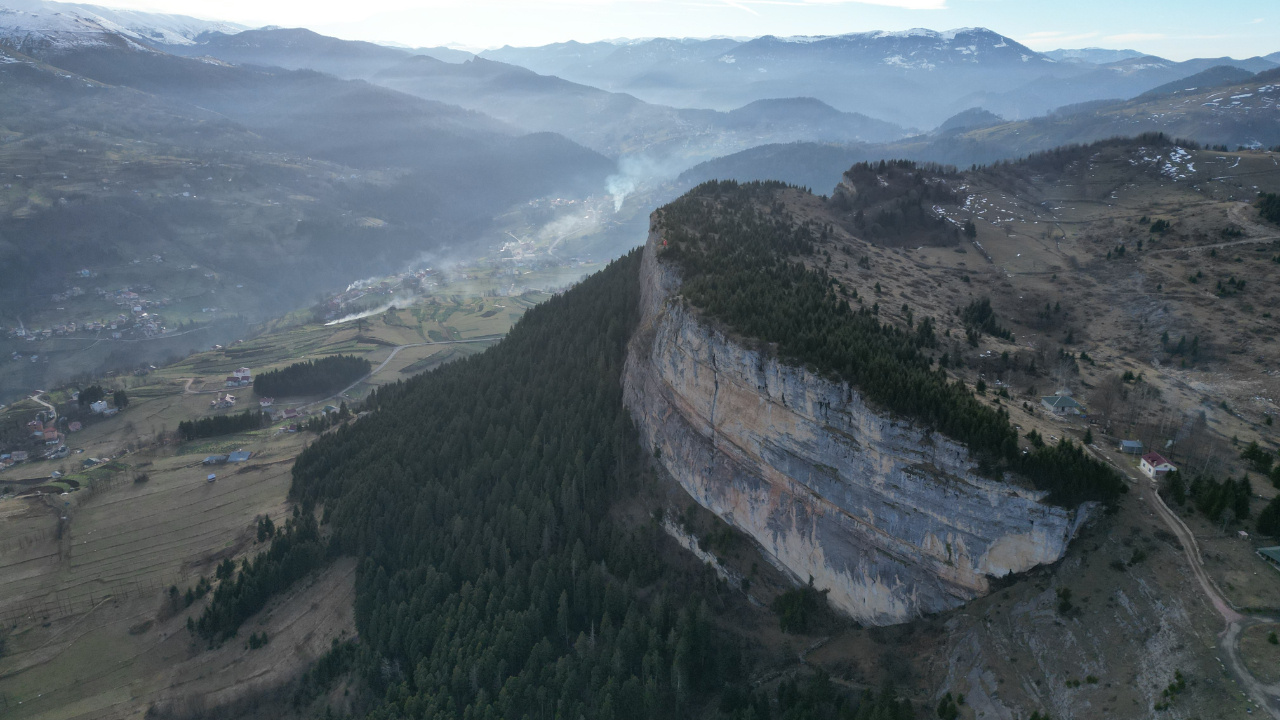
<point>1154,465</point>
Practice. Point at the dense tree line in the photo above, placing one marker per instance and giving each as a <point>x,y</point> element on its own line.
<point>312,377</point>
<point>799,607</point>
<point>1269,518</point>
<point>893,201</point>
<point>498,576</point>
<point>981,317</point>
<point>295,551</point>
<point>1269,207</point>
<point>1213,499</point>
<point>216,425</point>
<point>91,395</point>
<point>735,245</point>
<point>1261,461</point>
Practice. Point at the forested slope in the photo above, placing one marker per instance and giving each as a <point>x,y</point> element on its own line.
<point>497,576</point>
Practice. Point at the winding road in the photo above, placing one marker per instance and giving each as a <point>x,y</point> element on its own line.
<point>1264,696</point>
<point>52,409</point>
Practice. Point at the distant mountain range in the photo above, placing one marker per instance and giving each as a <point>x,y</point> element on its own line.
<point>620,124</point>
<point>916,78</point>
<point>1092,56</point>
<point>1219,106</point>
<point>621,97</point>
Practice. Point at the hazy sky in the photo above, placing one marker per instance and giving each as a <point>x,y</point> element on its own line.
<point>1177,29</point>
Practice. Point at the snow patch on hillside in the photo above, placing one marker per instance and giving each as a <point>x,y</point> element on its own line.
<point>36,24</point>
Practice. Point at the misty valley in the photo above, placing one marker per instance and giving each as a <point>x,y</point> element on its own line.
<point>884,375</point>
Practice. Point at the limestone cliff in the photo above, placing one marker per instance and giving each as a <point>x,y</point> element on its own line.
<point>891,518</point>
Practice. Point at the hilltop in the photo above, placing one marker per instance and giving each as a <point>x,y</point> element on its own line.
<point>1216,108</point>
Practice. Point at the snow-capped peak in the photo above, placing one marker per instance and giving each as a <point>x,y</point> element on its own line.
<point>42,25</point>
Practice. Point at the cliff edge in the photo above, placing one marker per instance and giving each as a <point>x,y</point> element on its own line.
<point>891,518</point>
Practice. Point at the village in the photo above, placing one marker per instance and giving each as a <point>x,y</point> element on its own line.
<point>138,320</point>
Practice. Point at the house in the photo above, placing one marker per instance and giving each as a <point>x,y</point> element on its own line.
<point>1155,466</point>
<point>212,477</point>
<point>290,413</point>
<point>1131,447</point>
<point>99,407</point>
<point>266,402</point>
<point>19,456</point>
<point>238,456</point>
<point>75,426</point>
<point>1271,555</point>
<point>50,434</point>
<point>1061,405</point>
<point>241,378</point>
<point>214,460</point>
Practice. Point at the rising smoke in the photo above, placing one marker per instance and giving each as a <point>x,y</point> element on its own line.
<point>636,172</point>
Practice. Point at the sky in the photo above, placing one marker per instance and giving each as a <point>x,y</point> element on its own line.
<point>1176,29</point>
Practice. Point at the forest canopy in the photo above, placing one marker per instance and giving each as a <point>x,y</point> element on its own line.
<point>497,576</point>
<point>312,377</point>
<point>216,425</point>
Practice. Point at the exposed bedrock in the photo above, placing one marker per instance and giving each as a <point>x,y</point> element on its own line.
<point>892,519</point>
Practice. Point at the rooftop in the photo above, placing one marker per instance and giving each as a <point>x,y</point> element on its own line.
<point>1059,401</point>
<point>1154,459</point>
<point>1271,553</point>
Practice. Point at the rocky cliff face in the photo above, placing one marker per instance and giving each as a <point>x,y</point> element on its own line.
<point>891,518</point>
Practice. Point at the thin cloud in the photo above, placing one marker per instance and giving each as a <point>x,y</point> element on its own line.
<point>900,4</point>
<point>1134,37</point>
<point>739,6</point>
<point>1058,36</point>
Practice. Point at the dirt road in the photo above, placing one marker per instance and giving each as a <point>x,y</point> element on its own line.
<point>1264,696</point>
<point>52,409</point>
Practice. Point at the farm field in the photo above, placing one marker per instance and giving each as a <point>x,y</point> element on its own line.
<point>86,560</point>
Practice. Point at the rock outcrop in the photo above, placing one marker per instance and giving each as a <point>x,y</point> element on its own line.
<point>892,519</point>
